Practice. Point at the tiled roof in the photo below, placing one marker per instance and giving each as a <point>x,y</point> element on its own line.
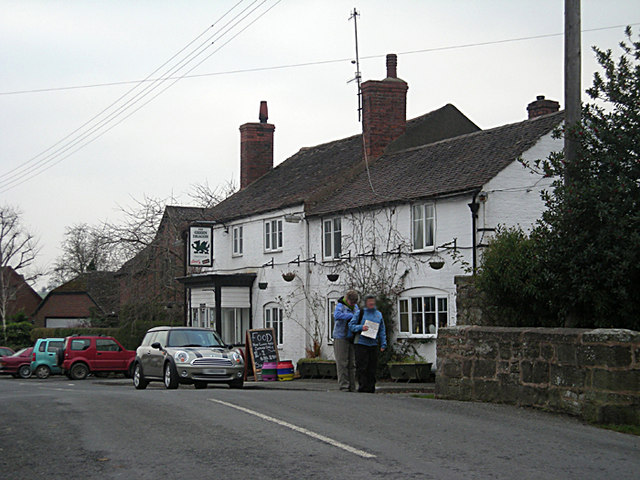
<point>102,287</point>
<point>306,174</point>
<point>455,165</point>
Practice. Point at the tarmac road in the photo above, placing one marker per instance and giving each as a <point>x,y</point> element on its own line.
<point>57,429</point>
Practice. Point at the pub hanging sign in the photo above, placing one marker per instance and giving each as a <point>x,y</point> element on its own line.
<point>200,246</point>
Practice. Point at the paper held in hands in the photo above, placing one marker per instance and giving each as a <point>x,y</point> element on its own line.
<point>372,332</point>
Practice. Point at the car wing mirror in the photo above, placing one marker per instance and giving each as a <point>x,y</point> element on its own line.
<point>156,345</point>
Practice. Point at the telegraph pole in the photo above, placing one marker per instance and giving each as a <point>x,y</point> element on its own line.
<point>572,84</point>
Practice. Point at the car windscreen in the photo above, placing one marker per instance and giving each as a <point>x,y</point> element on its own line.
<point>19,352</point>
<point>193,338</point>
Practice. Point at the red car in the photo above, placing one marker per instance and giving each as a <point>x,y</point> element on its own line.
<point>18,364</point>
<point>85,354</point>
<point>6,351</point>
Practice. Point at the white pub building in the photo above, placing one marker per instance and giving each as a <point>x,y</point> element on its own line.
<point>410,203</point>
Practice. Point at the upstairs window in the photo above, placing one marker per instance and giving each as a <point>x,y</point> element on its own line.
<point>423,226</point>
<point>273,235</point>
<point>332,238</point>
<point>237,235</point>
<point>420,316</point>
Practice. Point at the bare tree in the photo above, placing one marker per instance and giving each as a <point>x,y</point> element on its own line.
<point>205,196</point>
<point>18,251</point>
<point>85,248</point>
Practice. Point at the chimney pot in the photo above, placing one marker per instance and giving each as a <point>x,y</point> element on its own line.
<point>264,112</point>
<point>542,106</point>
<point>392,64</point>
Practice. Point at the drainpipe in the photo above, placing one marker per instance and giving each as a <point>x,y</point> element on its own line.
<point>474,206</point>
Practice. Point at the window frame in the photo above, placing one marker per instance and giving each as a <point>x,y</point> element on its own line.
<point>268,321</point>
<point>423,207</point>
<point>407,314</point>
<point>269,235</point>
<point>333,253</point>
<point>237,241</point>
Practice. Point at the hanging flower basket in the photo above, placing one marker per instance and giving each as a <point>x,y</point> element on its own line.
<point>332,277</point>
<point>262,285</point>
<point>289,276</point>
<point>436,264</point>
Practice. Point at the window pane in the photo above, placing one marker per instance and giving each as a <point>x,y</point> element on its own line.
<point>430,314</point>
<point>429,226</point>
<point>418,227</point>
<point>240,245</point>
<point>404,316</point>
<point>106,345</point>
<point>279,234</point>
<point>280,327</point>
<point>337,238</point>
<point>53,346</point>
<point>331,306</point>
<point>443,315</point>
<point>416,316</point>
<point>327,239</point>
<point>267,236</point>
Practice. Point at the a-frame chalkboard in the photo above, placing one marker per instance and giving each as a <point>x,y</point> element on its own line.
<point>261,347</point>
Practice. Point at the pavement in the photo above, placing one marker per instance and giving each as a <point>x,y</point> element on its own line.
<point>97,429</point>
<point>307,385</point>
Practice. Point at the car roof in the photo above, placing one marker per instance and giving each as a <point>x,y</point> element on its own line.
<point>158,329</point>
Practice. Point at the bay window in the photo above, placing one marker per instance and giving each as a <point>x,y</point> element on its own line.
<point>422,315</point>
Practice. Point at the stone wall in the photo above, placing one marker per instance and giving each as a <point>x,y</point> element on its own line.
<point>593,374</point>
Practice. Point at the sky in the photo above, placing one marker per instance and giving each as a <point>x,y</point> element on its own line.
<point>189,133</point>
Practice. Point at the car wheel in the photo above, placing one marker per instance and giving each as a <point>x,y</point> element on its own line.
<point>170,376</point>
<point>129,372</point>
<point>79,371</point>
<point>24,371</point>
<point>236,383</point>
<point>138,378</point>
<point>200,385</point>
<point>42,372</point>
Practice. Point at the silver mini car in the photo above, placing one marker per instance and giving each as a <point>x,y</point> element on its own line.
<point>186,355</point>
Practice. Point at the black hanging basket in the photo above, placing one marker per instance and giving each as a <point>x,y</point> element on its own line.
<point>436,264</point>
<point>332,277</point>
<point>262,285</point>
<point>289,276</point>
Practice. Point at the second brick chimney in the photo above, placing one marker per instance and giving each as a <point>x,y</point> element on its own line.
<point>542,106</point>
<point>384,110</point>
<point>256,148</point>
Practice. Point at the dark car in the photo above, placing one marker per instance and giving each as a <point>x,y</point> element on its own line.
<point>18,364</point>
<point>187,355</point>
<point>6,351</point>
<point>85,354</point>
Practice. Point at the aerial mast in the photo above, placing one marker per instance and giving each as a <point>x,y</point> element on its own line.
<point>354,16</point>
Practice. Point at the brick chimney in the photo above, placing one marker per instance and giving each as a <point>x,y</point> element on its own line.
<point>542,106</point>
<point>384,110</point>
<point>256,148</point>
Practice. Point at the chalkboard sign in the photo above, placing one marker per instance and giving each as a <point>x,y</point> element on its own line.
<point>261,348</point>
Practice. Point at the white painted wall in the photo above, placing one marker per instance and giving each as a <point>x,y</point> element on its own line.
<point>513,198</point>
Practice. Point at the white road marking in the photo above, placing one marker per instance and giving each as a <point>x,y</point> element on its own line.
<point>317,436</point>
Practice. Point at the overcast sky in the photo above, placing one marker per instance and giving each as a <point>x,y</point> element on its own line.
<point>189,134</point>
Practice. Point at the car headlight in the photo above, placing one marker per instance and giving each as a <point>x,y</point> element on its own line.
<point>236,357</point>
<point>181,357</point>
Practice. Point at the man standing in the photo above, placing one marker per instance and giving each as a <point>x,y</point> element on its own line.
<point>346,310</point>
<point>370,335</point>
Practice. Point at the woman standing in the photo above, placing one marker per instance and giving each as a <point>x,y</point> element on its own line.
<point>346,310</point>
<point>370,335</point>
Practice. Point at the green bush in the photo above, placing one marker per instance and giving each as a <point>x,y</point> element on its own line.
<point>512,281</point>
<point>19,334</point>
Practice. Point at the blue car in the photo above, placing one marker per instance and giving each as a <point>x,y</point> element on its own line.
<point>44,359</point>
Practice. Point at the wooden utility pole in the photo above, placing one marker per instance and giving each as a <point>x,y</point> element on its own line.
<point>572,84</point>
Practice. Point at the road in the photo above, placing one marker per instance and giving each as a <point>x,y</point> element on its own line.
<point>77,430</point>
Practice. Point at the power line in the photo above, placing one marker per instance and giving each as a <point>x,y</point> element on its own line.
<point>312,63</point>
<point>122,107</point>
<point>31,173</point>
